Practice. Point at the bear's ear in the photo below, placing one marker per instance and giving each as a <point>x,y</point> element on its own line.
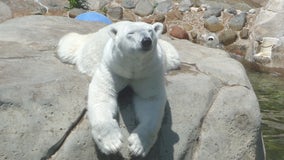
<point>112,32</point>
<point>158,28</point>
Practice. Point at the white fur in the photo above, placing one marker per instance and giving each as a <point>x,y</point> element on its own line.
<point>115,58</point>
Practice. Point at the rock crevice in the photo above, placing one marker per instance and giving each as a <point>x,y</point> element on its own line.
<point>56,147</point>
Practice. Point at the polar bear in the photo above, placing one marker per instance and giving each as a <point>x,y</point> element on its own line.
<point>119,55</point>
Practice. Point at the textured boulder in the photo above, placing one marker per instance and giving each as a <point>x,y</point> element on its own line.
<point>212,111</point>
<point>39,96</point>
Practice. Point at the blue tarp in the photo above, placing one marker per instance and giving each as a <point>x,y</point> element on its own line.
<point>93,17</point>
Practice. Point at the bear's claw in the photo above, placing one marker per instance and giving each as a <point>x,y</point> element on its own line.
<point>107,137</point>
<point>136,147</point>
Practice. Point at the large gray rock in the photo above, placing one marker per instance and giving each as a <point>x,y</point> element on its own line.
<point>39,96</point>
<point>212,111</point>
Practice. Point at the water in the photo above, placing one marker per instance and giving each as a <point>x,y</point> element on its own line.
<point>269,89</point>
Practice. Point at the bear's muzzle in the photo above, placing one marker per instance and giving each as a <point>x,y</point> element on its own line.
<point>146,43</point>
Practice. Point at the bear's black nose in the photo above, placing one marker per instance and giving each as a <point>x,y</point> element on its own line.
<point>146,43</point>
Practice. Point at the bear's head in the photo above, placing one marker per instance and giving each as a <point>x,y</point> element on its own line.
<point>136,37</point>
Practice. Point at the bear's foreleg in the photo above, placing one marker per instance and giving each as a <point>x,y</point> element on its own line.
<point>149,103</point>
<point>102,109</point>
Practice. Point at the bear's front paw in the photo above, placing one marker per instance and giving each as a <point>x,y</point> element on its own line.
<point>107,136</point>
<point>139,145</point>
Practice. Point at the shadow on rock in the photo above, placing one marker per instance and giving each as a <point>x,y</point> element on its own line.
<point>164,146</point>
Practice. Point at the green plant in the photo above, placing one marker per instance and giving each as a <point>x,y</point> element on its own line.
<point>104,10</point>
<point>78,4</point>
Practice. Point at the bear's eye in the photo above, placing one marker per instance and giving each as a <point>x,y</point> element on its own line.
<point>130,33</point>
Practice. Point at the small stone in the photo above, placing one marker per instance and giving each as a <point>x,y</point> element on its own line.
<point>232,11</point>
<point>196,3</point>
<point>163,7</point>
<point>213,24</point>
<point>179,33</point>
<point>115,12</point>
<point>148,20</point>
<point>39,12</point>
<point>187,27</point>
<point>244,34</point>
<point>144,8</point>
<point>199,9</point>
<point>160,18</point>
<point>193,35</point>
<point>185,5</point>
<point>213,11</point>
<point>97,4</point>
<point>129,16</point>
<point>228,37</point>
<point>174,15</point>
<point>237,49</point>
<point>237,22</point>
<point>75,12</point>
<point>194,9</point>
<point>129,4</point>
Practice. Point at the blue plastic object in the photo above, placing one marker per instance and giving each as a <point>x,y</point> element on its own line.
<point>93,17</point>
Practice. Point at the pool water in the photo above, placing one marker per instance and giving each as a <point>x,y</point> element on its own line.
<point>269,89</point>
